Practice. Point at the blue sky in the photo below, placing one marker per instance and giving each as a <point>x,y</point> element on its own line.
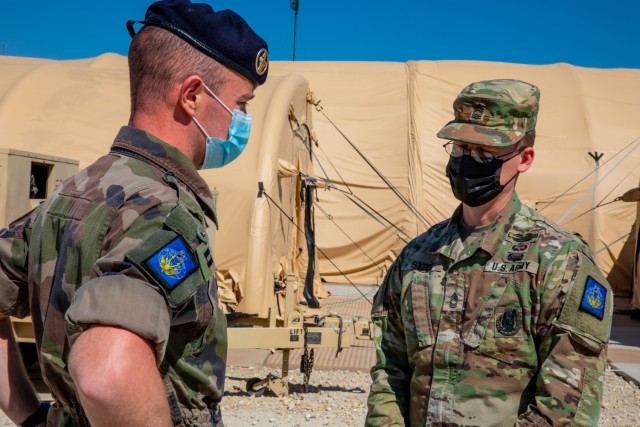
<point>587,33</point>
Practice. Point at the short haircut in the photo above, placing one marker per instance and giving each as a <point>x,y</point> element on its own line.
<point>528,139</point>
<point>158,59</point>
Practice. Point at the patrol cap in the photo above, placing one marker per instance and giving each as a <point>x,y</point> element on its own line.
<point>223,35</point>
<point>493,112</point>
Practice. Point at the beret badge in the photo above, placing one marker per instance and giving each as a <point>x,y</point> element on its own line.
<point>262,62</point>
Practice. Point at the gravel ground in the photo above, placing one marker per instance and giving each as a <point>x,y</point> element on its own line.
<point>338,398</point>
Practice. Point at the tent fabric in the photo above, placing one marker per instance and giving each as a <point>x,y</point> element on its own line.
<point>635,297</point>
<point>74,109</point>
<point>635,293</point>
<point>391,112</point>
<point>257,237</point>
<point>368,102</point>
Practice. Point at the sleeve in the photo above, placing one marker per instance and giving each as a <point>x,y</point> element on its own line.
<point>388,401</point>
<point>125,292</point>
<point>14,249</point>
<point>573,327</point>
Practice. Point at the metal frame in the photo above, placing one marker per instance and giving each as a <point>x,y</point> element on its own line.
<point>292,334</point>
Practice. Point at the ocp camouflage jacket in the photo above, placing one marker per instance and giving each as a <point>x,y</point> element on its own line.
<point>507,329</point>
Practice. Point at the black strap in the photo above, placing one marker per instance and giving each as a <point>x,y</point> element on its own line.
<point>130,24</point>
<point>38,417</point>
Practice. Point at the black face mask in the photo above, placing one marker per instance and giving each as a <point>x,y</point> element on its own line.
<point>474,183</point>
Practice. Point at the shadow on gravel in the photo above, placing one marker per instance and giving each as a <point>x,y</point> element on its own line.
<point>293,388</point>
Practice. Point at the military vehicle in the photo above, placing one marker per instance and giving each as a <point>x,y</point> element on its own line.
<point>26,179</point>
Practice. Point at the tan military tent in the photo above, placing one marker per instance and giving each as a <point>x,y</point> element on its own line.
<point>73,109</point>
<point>635,300</point>
<point>392,112</point>
<point>633,196</point>
<point>370,203</point>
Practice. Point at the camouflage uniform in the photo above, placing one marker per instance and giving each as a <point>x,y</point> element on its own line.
<point>509,328</point>
<point>123,243</point>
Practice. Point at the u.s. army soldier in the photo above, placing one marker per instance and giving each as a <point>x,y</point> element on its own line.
<point>115,267</point>
<point>496,316</point>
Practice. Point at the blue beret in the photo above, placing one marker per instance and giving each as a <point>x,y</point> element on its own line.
<point>223,35</point>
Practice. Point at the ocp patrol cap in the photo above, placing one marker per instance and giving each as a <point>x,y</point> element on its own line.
<point>223,35</point>
<point>495,113</point>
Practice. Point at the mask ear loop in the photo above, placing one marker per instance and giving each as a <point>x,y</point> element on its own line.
<point>200,126</point>
<point>216,98</point>
<point>510,179</point>
<point>517,173</point>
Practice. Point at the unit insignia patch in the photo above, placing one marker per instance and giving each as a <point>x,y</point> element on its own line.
<point>593,298</point>
<point>509,322</point>
<point>172,263</point>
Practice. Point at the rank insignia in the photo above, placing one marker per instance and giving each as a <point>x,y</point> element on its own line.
<point>509,322</point>
<point>593,298</point>
<point>172,263</point>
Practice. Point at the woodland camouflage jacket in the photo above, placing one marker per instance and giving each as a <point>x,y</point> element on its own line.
<point>123,243</point>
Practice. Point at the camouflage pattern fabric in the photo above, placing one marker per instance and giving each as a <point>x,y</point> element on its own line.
<point>123,243</point>
<point>493,112</point>
<point>509,328</point>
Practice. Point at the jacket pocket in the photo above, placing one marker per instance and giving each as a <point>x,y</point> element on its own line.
<point>417,314</point>
<point>504,338</point>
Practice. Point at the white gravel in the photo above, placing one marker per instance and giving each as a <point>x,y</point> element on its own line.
<point>334,398</point>
<point>338,398</point>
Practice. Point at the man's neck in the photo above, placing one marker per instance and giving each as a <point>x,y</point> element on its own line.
<point>166,129</point>
<point>487,213</point>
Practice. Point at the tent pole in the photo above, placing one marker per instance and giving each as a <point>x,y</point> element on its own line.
<point>596,157</point>
<point>295,6</point>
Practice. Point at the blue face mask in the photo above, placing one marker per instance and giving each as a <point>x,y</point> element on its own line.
<point>221,152</point>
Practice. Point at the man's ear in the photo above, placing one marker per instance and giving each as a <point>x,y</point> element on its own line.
<point>526,159</point>
<point>191,93</point>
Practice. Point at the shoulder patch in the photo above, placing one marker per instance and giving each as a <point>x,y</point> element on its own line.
<point>588,306</point>
<point>172,263</point>
<point>593,298</point>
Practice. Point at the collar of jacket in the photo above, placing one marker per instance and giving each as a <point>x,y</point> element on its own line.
<point>491,237</point>
<point>167,158</point>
